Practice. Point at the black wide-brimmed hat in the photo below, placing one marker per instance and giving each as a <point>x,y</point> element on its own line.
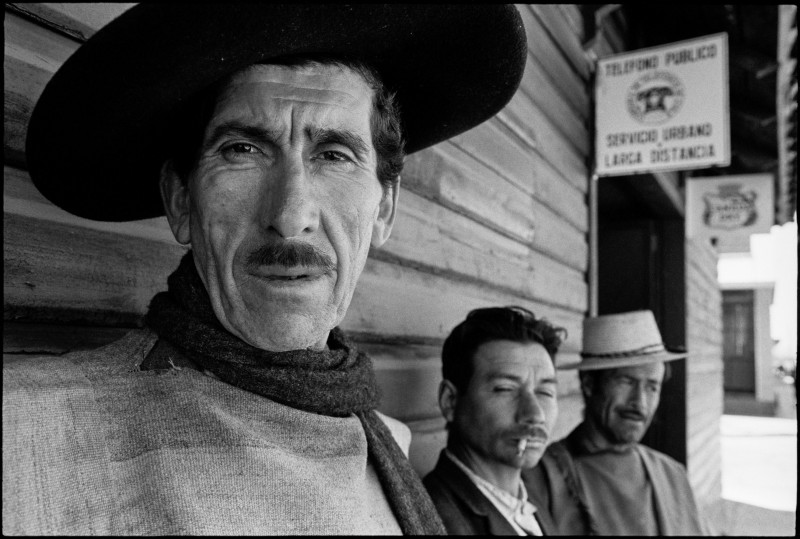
<point>99,132</point>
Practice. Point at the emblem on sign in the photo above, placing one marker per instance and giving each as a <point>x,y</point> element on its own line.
<point>655,97</point>
<point>730,208</point>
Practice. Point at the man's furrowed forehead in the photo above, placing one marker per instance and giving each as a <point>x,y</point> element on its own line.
<point>650,371</point>
<point>504,358</point>
<point>324,84</point>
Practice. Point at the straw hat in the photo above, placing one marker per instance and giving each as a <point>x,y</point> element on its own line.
<point>102,126</point>
<point>621,340</point>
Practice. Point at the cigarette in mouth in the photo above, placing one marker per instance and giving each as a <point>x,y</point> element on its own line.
<point>521,446</point>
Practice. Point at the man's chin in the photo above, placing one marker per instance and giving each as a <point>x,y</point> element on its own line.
<point>531,459</point>
<point>630,436</point>
<point>284,333</point>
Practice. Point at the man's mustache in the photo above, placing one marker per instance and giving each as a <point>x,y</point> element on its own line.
<point>531,432</point>
<point>291,254</point>
<point>633,413</point>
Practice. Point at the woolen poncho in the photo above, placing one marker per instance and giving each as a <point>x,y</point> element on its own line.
<point>94,444</point>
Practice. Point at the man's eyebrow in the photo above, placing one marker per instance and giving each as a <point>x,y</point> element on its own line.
<point>636,379</point>
<point>345,137</point>
<point>493,375</point>
<point>252,132</point>
<point>515,378</point>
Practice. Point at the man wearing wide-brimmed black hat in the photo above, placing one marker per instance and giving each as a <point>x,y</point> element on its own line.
<point>599,480</point>
<point>273,138</point>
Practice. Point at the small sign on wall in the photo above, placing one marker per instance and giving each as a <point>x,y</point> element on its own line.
<point>663,108</point>
<point>726,210</point>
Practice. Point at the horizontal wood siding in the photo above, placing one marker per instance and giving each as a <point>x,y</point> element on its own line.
<point>77,20</point>
<point>495,216</point>
<point>704,374</point>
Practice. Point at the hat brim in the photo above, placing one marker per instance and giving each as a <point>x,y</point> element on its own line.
<point>96,138</point>
<point>593,364</point>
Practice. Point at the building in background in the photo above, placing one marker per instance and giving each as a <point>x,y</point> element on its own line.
<point>759,290</point>
<point>762,101</point>
<point>503,214</point>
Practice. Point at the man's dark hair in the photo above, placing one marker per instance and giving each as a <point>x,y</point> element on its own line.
<point>387,136</point>
<point>493,324</point>
<point>597,377</point>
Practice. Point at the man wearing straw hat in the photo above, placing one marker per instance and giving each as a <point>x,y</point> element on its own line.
<point>599,480</point>
<point>272,137</point>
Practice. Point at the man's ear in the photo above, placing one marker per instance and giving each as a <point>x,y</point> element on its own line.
<point>382,227</point>
<point>587,384</point>
<point>448,400</point>
<point>175,197</point>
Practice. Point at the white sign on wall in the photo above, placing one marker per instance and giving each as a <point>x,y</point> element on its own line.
<point>726,210</point>
<point>663,108</point>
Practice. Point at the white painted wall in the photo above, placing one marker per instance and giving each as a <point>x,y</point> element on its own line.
<point>772,259</point>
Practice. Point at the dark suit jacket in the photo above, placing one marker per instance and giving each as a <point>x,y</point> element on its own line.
<point>463,507</point>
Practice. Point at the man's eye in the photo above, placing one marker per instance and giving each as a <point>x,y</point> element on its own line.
<point>239,148</point>
<point>502,389</point>
<point>333,155</point>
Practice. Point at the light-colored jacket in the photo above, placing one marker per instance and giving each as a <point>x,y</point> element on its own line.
<point>94,445</point>
<point>552,484</point>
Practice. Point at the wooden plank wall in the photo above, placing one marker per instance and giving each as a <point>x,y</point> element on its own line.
<point>704,378</point>
<point>496,216</point>
<point>69,283</point>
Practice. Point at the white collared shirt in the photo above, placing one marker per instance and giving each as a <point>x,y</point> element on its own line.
<point>517,510</point>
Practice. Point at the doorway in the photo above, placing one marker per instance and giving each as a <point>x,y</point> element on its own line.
<point>738,345</point>
<point>641,265</point>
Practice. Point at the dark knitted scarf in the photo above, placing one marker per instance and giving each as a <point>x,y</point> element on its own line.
<point>335,382</point>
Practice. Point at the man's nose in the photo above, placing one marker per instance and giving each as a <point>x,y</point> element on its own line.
<point>529,409</point>
<point>638,396</point>
<point>291,202</point>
